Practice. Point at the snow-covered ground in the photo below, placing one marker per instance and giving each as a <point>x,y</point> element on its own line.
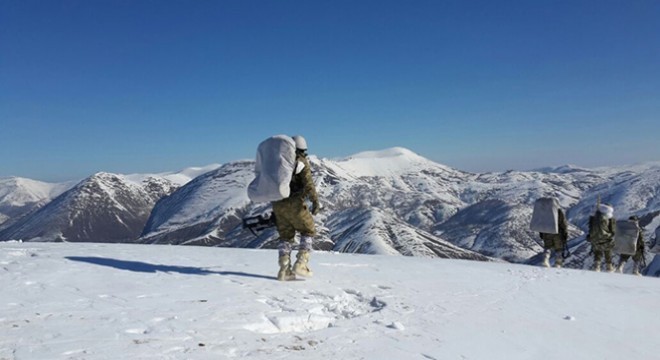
<point>108,301</point>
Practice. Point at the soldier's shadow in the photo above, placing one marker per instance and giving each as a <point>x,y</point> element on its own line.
<point>139,266</point>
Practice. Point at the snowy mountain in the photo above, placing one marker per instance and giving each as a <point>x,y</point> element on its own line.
<point>110,301</point>
<point>20,196</point>
<point>374,202</point>
<point>104,207</point>
<point>210,205</point>
<point>375,231</point>
<point>179,178</point>
<point>396,202</point>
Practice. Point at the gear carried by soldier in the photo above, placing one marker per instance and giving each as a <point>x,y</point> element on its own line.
<point>550,221</point>
<point>638,250</point>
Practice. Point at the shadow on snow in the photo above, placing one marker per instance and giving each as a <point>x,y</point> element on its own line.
<point>138,266</point>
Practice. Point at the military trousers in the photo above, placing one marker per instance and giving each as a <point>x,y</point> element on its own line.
<point>291,215</point>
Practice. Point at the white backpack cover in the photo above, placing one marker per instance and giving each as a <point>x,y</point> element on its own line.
<point>276,157</point>
<point>625,238</point>
<point>545,218</point>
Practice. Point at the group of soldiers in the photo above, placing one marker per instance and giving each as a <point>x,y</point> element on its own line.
<point>292,215</point>
<point>602,228</point>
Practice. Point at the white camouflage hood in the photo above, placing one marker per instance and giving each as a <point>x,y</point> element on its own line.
<point>606,210</point>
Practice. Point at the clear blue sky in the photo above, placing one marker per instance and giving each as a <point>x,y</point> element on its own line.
<point>149,86</point>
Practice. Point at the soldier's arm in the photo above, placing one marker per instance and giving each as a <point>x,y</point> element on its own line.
<point>591,220</point>
<point>563,226</point>
<point>310,189</point>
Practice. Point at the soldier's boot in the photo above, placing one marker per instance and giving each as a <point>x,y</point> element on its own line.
<point>636,269</point>
<point>546,258</point>
<point>619,268</point>
<point>610,267</point>
<point>559,260</point>
<point>284,260</point>
<point>597,266</point>
<point>285,273</point>
<point>301,267</point>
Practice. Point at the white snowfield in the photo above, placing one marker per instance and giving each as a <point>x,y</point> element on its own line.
<point>108,301</point>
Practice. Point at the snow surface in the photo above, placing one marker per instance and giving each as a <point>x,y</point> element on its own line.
<point>109,301</point>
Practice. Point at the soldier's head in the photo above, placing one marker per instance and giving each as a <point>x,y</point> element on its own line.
<point>301,144</point>
<point>605,210</point>
<point>634,218</point>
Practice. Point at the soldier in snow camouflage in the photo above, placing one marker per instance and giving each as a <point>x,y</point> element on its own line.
<point>555,242</point>
<point>601,236</point>
<point>291,215</point>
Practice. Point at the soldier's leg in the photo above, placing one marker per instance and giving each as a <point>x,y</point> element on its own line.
<point>287,233</point>
<point>301,267</point>
<point>598,258</point>
<point>608,260</point>
<point>559,247</point>
<point>638,258</point>
<point>546,257</point>
<point>285,273</point>
<point>622,262</point>
<point>305,225</point>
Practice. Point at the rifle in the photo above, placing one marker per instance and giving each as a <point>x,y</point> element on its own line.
<point>259,222</point>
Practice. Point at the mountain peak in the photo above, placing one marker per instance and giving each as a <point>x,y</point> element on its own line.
<point>102,175</point>
<point>388,153</point>
<point>562,169</point>
<point>387,162</point>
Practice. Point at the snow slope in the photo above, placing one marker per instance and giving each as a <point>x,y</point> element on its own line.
<point>110,301</point>
<point>20,196</point>
<point>204,204</point>
<point>106,207</point>
<point>179,178</point>
<point>380,202</point>
<point>414,202</point>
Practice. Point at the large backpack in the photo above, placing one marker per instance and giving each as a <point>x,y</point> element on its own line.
<point>545,218</point>
<point>625,239</point>
<point>276,158</point>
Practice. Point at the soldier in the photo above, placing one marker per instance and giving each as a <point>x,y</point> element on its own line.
<point>601,236</point>
<point>556,242</point>
<point>291,215</point>
<point>638,258</point>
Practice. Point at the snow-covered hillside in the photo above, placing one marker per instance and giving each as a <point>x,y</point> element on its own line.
<point>20,196</point>
<point>109,301</point>
<point>379,202</point>
<point>105,207</point>
<point>179,178</point>
<point>212,201</point>
<point>381,195</point>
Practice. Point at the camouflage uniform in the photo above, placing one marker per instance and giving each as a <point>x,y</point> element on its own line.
<point>601,237</point>
<point>291,215</point>
<point>638,257</point>
<point>555,242</point>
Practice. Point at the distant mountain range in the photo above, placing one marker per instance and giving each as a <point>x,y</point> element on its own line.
<point>382,202</point>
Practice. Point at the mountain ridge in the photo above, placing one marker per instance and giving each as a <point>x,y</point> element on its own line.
<point>429,205</point>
